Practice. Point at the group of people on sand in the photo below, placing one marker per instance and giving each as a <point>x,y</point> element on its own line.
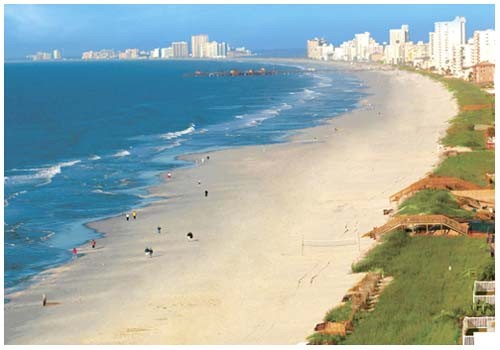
<point>134,215</point>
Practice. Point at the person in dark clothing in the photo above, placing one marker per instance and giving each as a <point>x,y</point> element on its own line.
<point>206,193</point>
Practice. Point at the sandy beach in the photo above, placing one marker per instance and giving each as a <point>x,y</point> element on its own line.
<point>247,277</point>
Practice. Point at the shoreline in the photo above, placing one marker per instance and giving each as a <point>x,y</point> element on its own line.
<point>242,166</point>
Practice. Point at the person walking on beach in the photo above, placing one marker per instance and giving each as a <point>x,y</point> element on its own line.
<point>149,252</point>
<point>127,217</point>
<point>75,253</point>
<point>92,244</point>
<point>159,229</point>
<point>134,215</point>
<point>190,236</point>
<point>206,193</point>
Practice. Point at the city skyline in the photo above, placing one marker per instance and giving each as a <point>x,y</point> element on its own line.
<point>33,28</point>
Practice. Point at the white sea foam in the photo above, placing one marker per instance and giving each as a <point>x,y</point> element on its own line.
<point>177,143</point>
<point>15,194</point>
<point>41,173</point>
<point>257,118</point>
<point>94,157</point>
<point>175,134</point>
<point>47,236</point>
<point>120,154</point>
<point>103,192</point>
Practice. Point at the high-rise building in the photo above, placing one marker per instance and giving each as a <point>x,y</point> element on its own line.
<point>167,52</point>
<point>129,54</point>
<point>56,54</point>
<point>155,53</point>
<point>398,42</point>
<point>210,49</point>
<point>447,36</point>
<point>483,46</point>
<point>312,48</point>
<point>180,49</point>
<point>197,45</point>
<point>222,50</point>
<point>399,36</point>
<point>318,49</point>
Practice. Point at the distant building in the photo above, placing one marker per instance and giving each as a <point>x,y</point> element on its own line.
<point>318,49</point>
<point>105,54</point>
<point>180,49</point>
<point>313,48</point>
<point>483,73</point>
<point>399,42</point>
<point>56,54</point>
<point>40,56</point>
<point>446,40</point>
<point>210,49</point>
<point>198,44</point>
<point>167,52</point>
<point>483,46</point>
<point>155,53</point>
<point>129,54</point>
<point>222,50</point>
<point>238,52</point>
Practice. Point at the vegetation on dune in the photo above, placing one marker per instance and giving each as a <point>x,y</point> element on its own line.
<point>467,94</point>
<point>433,202</point>
<point>426,298</point>
<point>339,313</point>
<point>324,339</point>
<point>469,166</point>
<point>488,273</point>
<point>433,275</point>
<point>461,131</point>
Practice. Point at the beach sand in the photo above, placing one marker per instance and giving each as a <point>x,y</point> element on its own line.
<point>247,278</point>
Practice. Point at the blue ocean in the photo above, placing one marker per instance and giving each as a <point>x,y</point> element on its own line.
<point>84,140</point>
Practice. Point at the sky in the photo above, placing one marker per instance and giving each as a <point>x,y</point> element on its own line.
<point>77,28</point>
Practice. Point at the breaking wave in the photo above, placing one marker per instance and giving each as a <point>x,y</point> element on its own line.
<point>175,134</point>
<point>120,154</point>
<point>40,173</point>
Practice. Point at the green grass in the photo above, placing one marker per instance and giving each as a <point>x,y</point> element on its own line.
<point>465,92</point>
<point>425,299</point>
<point>324,339</point>
<point>339,313</point>
<point>433,202</point>
<point>461,131</point>
<point>469,166</point>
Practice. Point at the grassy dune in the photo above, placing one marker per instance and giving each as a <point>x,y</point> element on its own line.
<point>433,276</point>
<point>423,303</point>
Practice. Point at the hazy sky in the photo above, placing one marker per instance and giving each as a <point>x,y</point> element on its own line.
<point>76,28</point>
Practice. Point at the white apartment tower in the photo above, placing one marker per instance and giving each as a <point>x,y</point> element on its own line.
<point>198,44</point>
<point>180,49</point>
<point>399,36</point>
<point>362,42</point>
<point>56,54</point>
<point>483,49</point>
<point>209,49</point>
<point>446,40</point>
<point>398,41</point>
<point>222,49</point>
<point>167,52</point>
